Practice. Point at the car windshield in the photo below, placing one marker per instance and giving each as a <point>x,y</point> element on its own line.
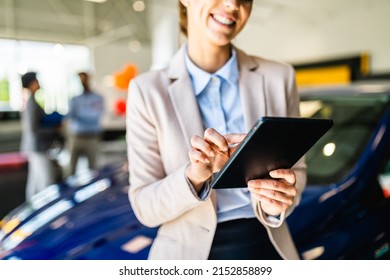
<point>355,118</point>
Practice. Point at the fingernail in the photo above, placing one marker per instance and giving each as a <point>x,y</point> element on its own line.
<point>212,154</point>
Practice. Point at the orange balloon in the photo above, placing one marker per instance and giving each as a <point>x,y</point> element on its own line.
<point>120,81</point>
<point>131,71</point>
<point>123,78</point>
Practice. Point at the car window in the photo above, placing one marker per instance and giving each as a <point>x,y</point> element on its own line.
<point>355,119</point>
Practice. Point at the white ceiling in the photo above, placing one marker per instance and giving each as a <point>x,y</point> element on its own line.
<point>309,11</point>
<point>71,21</point>
<point>79,21</point>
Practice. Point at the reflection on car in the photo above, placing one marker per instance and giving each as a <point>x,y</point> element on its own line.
<point>343,214</point>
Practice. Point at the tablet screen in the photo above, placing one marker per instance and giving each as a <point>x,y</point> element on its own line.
<point>272,143</point>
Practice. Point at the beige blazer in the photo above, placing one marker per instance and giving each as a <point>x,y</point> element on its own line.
<point>162,116</point>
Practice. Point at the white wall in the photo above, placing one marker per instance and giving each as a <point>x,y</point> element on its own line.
<point>164,28</point>
<point>299,35</point>
<point>109,59</point>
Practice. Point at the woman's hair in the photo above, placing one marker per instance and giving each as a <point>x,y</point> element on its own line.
<point>183,18</point>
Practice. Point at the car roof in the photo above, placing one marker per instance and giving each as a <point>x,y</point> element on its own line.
<point>355,88</point>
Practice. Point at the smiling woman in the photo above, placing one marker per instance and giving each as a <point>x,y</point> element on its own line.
<point>182,124</point>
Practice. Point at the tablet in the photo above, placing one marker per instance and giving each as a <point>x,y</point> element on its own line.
<point>272,143</point>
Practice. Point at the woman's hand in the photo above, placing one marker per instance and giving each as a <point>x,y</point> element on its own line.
<point>277,193</point>
<point>209,154</point>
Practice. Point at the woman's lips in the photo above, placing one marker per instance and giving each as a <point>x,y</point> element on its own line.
<point>223,20</point>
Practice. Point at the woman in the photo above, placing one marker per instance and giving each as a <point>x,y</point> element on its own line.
<point>181,123</point>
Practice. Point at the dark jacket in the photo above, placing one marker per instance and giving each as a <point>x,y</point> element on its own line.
<point>36,136</point>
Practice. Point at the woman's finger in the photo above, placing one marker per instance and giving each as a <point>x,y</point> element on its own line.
<point>273,185</point>
<point>275,195</point>
<point>199,143</point>
<point>235,138</point>
<point>198,156</point>
<point>215,138</point>
<point>287,175</point>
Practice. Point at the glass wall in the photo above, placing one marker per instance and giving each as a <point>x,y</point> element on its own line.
<point>57,66</point>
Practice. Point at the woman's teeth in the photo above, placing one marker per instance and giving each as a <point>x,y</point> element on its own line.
<point>223,20</point>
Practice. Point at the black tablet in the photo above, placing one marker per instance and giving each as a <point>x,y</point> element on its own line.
<point>272,143</point>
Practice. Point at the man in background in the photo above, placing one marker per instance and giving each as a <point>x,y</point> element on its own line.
<point>37,139</point>
<point>85,129</point>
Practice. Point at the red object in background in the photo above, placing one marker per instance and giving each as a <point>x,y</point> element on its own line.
<point>12,161</point>
<point>120,107</point>
<point>122,78</point>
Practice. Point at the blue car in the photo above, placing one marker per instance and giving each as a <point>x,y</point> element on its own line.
<point>344,212</point>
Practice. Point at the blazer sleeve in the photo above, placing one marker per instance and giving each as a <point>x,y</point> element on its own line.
<point>156,197</point>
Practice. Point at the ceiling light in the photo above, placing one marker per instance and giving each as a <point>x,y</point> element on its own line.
<point>58,49</point>
<point>135,46</point>
<point>139,6</point>
<point>97,1</point>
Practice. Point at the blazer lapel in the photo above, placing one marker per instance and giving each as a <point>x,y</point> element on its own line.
<point>183,99</point>
<point>185,104</point>
<point>252,92</point>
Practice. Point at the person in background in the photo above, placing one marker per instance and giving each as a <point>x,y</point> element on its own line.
<point>181,122</point>
<point>37,139</point>
<point>84,122</point>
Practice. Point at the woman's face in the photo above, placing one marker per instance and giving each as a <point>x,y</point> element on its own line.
<point>216,21</point>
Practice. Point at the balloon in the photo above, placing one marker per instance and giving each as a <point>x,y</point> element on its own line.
<point>122,78</point>
<point>120,107</point>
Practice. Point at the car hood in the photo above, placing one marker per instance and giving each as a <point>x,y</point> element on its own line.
<point>65,221</point>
